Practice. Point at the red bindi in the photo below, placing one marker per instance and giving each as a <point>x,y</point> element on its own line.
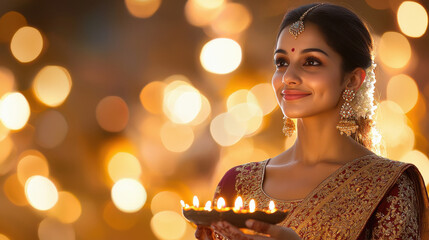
<point>293,49</point>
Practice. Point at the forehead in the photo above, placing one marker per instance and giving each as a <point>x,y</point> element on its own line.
<point>310,38</point>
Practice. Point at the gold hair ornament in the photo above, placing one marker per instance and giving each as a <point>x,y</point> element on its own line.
<point>298,27</point>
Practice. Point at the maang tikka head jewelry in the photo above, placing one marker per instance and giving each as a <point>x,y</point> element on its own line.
<point>298,27</point>
<point>347,123</point>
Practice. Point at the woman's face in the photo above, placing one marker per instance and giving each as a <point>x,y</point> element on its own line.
<point>308,75</point>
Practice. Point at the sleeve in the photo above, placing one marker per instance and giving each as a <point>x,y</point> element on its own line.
<point>226,188</point>
<point>397,216</point>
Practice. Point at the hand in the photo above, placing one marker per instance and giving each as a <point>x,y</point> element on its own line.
<point>274,232</point>
<point>203,233</point>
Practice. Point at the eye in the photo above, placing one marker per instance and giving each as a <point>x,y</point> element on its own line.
<point>280,62</point>
<point>312,61</point>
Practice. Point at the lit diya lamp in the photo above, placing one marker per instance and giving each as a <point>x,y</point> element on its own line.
<point>237,215</point>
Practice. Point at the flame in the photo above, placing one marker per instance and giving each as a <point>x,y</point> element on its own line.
<point>182,203</point>
<point>208,206</point>
<point>238,204</point>
<point>271,206</point>
<point>196,202</point>
<point>221,203</point>
<point>252,206</point>
<point>187,206</point>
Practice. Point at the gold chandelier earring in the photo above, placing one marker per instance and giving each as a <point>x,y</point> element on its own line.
<point>288,127</point>
<point>347,123</point>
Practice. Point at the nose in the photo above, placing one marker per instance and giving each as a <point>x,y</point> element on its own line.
<point>290,77</point>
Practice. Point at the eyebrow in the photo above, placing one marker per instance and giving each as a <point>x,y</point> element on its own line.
<point>303,51</point>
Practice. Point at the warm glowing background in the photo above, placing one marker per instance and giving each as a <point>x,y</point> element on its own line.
<point>112,112</point>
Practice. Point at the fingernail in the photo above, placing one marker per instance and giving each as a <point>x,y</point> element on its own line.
<point>249,223</point>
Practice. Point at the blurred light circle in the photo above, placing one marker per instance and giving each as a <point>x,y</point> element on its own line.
<point>420,160</point>
<point>128,195</point>
<point>238,97</point>
<point>249,115</point>
<point>391,121</point>
<point>124,165</point>
<point>51,229</point>
<point>41,192</point>
<point>51,129</point>
<point>265,98</point>
<point>234,18</point>
<point>10,22</point>
<point>182,104</point>
<point>7,81</point>
<point>52,85</point>
<point>3,237</point>
<point>151,97</point>
<point>403,90</point>
<point>221,55</point>
<point>399,147</point>
<point>6,146</point>
<point>117,219</point>
<point>394,50</point>
<point>142,8</point>
<point>204,112</point>
<point>68,208</point>
<point>201,12</point>
<point>166,201</point>
<point>226,130</point>
<point>14,191</point>
<point>31,163</point>
<point>112,114</point>
<point>14,110</point>
<point>176,138</point>
<point>412,19</point>
<point>168,225</point>
<point>26,44</point>
<point>4,131</point>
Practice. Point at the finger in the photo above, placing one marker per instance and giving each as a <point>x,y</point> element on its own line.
<point>259,226</point>
<point>273,231</point>
<point>203,233</point>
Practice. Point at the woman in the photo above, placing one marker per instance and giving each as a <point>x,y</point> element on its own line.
<point>331,182</point>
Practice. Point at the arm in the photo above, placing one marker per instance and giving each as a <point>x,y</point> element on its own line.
<point>397,216</point>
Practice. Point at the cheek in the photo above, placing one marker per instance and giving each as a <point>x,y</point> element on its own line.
<point>276,81</point>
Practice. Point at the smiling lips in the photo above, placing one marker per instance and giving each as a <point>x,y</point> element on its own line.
<point>294,94</point>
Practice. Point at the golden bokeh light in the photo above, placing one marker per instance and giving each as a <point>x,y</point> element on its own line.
<point>128,195</point>
<point>412,19</point>
<point>14,191</point>
<point>176,137</point>
<point>248,115</point>
<point>52,85</point>
<point>182,103</point>
<point>112,114</point>
<point>168,225</point>
<point>233,19</point>
<point>14,110</point>
<point>68,208</point>
<point>51,129</point>
<point>124,165</point>
<point>160,162</point>
<point>221,56</point>
<point>41,192</point>
<point>117,219</point>
<point>31,163</point>
<point>264,95</point>
<point>10,22</point>
<point>226,130</point>
<point>142,8</point>
<point>3,237</point>
<point>7,81</point>
<point>6,146</point>
<point>52,229</point>
<point>26,44</point>
<point>239,97</point>
<point>4,131</point>
<point>204,112</point>
<point>152,95</point>
<point>420,160</point>
<point>394,50</point>
<point>403,90</point>
<point>202,12</point>
<point>165,201</point>
<point>398,148</point>
<point>391,121</point>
